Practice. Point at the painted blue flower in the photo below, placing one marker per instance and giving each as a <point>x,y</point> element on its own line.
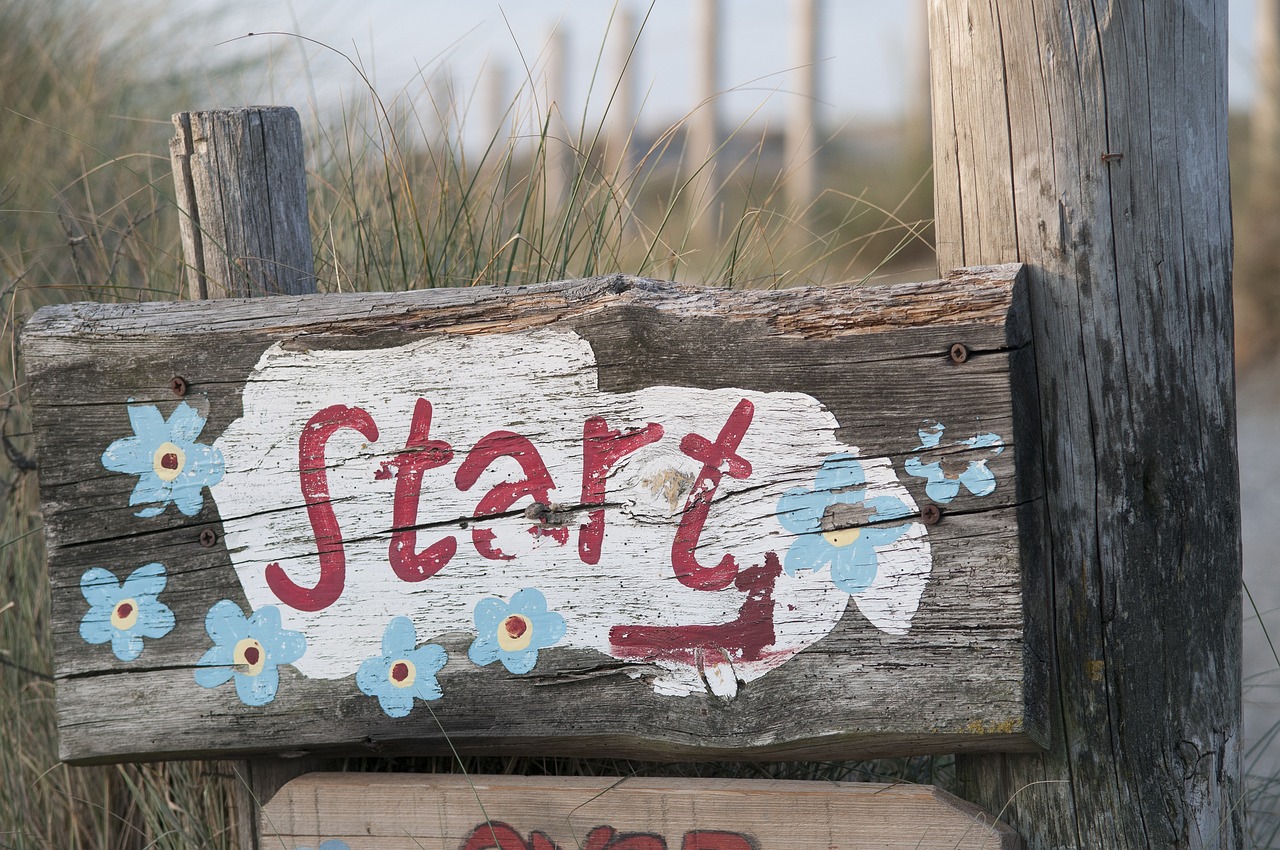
<point>943,487</point>
<point>403,671</point>
<point>249,649</point>
<point>331,844</point>
<point>514,632</point>
<point>171,466</point>
<point>125,612</point>
<point>834,524</point>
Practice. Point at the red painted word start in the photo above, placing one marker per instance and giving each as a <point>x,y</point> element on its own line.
<point>602,448</point>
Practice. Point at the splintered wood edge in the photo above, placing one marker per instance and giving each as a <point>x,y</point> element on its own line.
<point>980,295</point>
<point>318,805</point>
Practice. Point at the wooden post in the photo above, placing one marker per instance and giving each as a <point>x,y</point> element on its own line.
<point>802,124</point>
<point>703,137</point>
<point>561,157</point>
<point>622,116</point>
<point>242,195</point>
<point>1093,148</point>
<point>241,185</point>
<point>499,102</point>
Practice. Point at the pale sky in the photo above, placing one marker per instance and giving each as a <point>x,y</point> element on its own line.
<point>868,50</point>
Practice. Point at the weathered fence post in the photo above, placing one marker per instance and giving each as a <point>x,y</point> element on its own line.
<point>241,187</point>
<point>703,136</point>
<point>561,155</point>
<point>242,195</point>
<point>623,114</point>
<point>801,137</point>
<point>1092,147</point>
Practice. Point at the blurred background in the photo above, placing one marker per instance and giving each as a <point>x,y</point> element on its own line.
<point>751,143</point>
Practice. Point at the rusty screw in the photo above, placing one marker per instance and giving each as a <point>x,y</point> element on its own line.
<point>208,537</point>
<point>931,514</point>
<point>178,385</point>
<point>959,353</point>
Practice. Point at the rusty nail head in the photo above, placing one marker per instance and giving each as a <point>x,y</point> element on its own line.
<point>959,353</point>
<point>179,386</point>
<point>208,537</point>
<point>931,514</point>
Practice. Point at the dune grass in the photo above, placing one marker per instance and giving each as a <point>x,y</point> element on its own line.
<point>398,201</point>
<point>401,197</point>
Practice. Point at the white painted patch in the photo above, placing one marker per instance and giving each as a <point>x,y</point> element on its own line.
<point>543,385</point>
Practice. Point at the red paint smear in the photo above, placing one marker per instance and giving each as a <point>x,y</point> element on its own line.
<point>420,454</point>
<point>324,522</point>
<point>713,455</point>
<point>744,639</point>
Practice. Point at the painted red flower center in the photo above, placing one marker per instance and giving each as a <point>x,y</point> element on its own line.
<point>515,626</point>
<point>252,654</point>
<point>169,460</point>
<point>399,671</point>
<point>125,615</point>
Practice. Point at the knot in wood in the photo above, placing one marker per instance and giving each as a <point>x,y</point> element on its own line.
<point>841,515</point>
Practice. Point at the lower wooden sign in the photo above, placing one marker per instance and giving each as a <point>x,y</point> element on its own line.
<point>369,811</point>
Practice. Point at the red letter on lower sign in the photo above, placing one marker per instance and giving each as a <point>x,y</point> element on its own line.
<point>601,449</point>
<point>686,566</point>
<point>420,454</point>
<point>324,522</point>
<point>714,839</point>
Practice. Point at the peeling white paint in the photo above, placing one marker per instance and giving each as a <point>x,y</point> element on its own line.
<point>542,385</point>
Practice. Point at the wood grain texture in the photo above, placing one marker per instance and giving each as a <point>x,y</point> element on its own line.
<point>240,182</point>
<point>967,674</point>
<point>443,812</point>
<point>1089,141</point>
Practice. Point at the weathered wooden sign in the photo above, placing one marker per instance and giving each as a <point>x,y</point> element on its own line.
<point>346,811</point>
<point>669,520</point>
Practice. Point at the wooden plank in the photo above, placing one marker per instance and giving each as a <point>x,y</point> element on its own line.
<point>688,605</point>
<point>1090,141</point>
<point>443,812</point>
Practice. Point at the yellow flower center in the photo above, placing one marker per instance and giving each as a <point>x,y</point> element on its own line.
<point>250,656</point>
<point>168,461</point>
<point>125,614</point>
<point>515,633</point>
<point>402,673</point>
<point>842,537</point>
